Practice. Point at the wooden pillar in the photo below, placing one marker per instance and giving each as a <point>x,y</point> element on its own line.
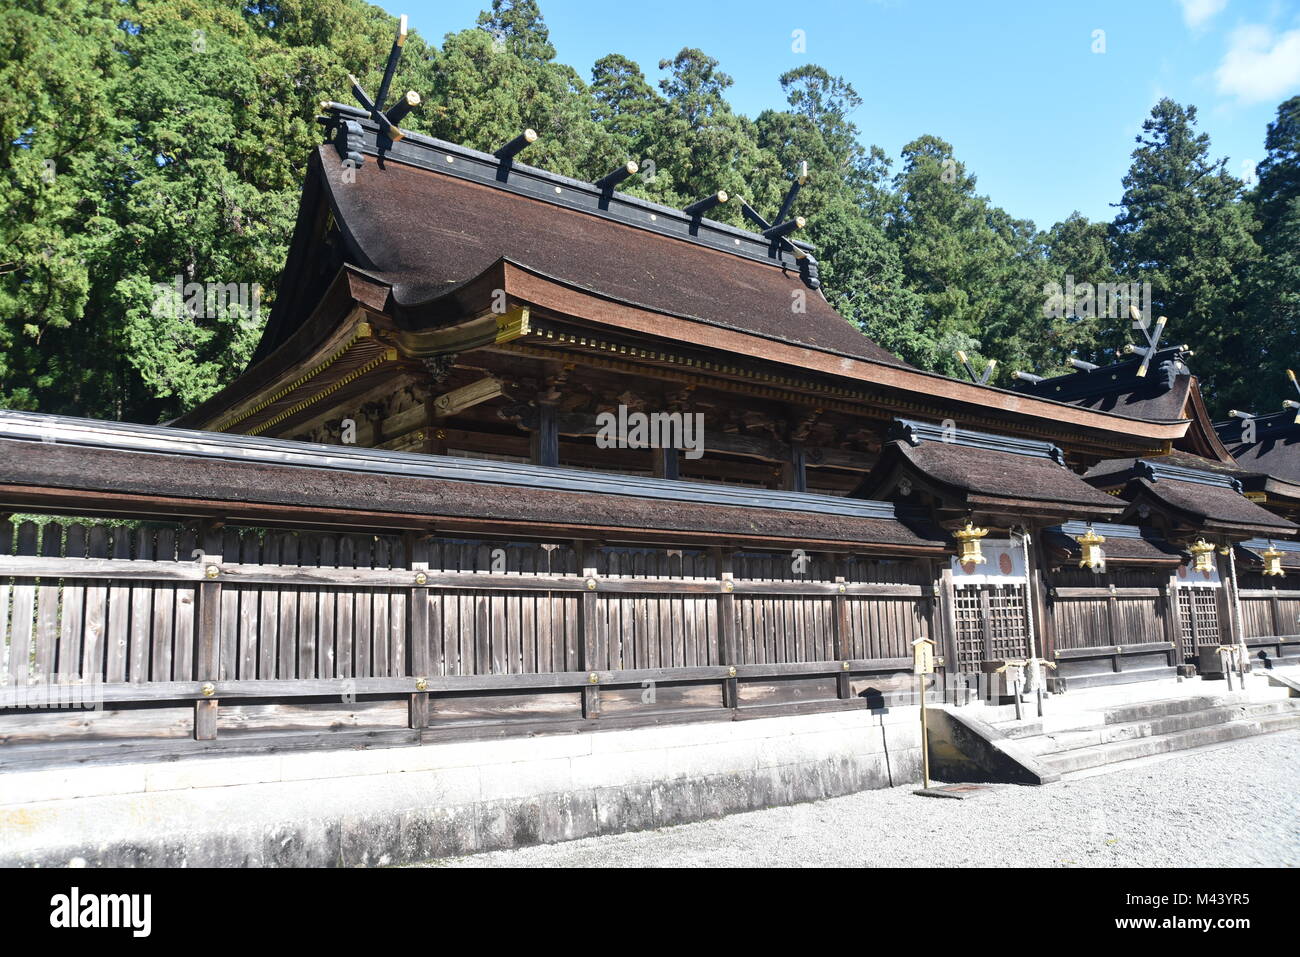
<point>728,646</point>
<point>1229,629</point>
<point>1173,625</point>
<point>417,626</point>
<point>207,653</point>
<point>843,635</point>
<point>794,473</point>
<point>1112,626</point>
<point>945,634</point>
<point>544,442</point>
<point>589,631</point>
<point>1041,574</point>
<point>667,463</point>
<point>1276,613</point>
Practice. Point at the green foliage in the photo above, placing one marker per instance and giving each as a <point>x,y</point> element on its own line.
<point>1183,227</point>
<point>152,142</point>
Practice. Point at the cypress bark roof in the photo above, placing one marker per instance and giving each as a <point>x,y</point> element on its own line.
<point>166,471</point>
<point>1276,449</point>
<point>970,471</point>
<point>1203,494</point>
<point>1126,544</point>
<point>429,234</point>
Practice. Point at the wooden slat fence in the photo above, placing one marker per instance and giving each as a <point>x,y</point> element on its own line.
<point>235,619</point>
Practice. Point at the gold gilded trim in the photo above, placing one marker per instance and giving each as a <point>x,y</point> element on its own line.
<point>362,331</point>
<point>389,355</point>
<point>490,330</point>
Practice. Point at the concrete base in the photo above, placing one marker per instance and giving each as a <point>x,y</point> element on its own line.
<point>399,805</point>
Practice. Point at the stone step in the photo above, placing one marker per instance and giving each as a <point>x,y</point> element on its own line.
<point>1081,759</point>
<point>1054,742</point>
<point>1144,710</point>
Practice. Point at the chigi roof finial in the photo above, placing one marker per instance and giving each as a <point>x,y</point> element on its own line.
<point>350,134</point>
<point>979,378</point>
<point>1152,336</point>
<point>781,229</point>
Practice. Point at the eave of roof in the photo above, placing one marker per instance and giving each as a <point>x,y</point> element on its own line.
<point>1124,545</point>
<point>238,477</point>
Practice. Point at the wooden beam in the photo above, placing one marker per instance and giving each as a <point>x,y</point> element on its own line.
<point>467,396</point>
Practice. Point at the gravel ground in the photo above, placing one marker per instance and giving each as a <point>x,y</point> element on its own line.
<point>1236,806</point>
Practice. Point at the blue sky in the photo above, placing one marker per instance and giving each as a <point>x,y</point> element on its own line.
<point>1045,123</point>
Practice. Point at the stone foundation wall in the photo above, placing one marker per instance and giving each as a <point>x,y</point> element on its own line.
<point>398,805</point>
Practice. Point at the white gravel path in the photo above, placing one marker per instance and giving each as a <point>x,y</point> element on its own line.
<point>1236,806</point>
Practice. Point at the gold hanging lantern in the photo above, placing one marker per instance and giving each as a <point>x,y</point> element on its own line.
<point>1093,557</point>
<point>968,544</point>
<point>1272,561</point>
<point>1203,553</point>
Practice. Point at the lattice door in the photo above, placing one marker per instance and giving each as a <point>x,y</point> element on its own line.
<point>1198,613</point>
<point>970,629</point>
<point>991,624</point>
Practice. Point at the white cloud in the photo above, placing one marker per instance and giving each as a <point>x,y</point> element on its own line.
<point>1197,12</point>
<point>1260,64</point>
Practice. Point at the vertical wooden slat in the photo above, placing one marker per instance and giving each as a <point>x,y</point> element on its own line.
<point>268,612</point>
<point>228,637</point>
<point>92,646</point>
<point>165,631</point>
<point>287,648</point>
<point>345,612</point>
<point>7,542</point>
<point>308,601</point>
<point>250,603</point>
<point>327,642</point>
<point>47,607</point>
<point>119,607</point>
<point>380,658</point>
<point>20,630</point>
<point>142,599</point>
<point>187,598</point>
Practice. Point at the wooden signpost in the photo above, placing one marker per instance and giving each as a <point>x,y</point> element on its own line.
<point>922,665</point>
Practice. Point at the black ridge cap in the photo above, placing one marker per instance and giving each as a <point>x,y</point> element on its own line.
<point>484,168</point>
<point>1283,418</point>
<point>162,440</point>
<point>1155,471</point>
<point>1074,528</point>
<point>1097,381</point>
<point>1260,544</point>
<point>914,433</point>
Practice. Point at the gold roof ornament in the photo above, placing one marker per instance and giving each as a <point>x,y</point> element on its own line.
<point>1203,553</point>
<point>1272,561</point>
<point>968,544</point>
<point>1093,557</point>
